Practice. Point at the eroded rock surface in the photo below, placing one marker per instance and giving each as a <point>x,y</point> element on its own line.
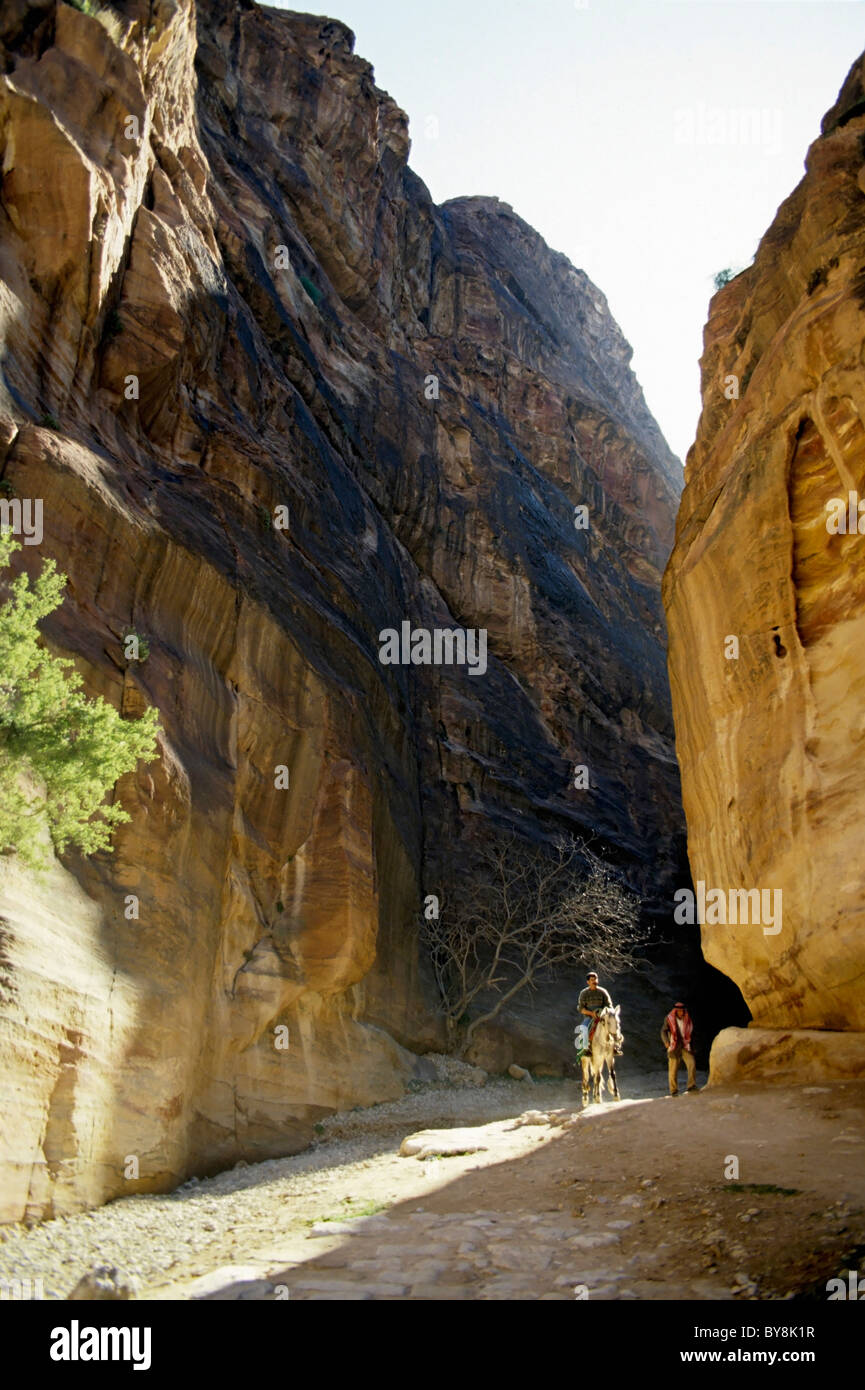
<point>769,741</point>
<point>223,291</point>
<point>786,1055</point>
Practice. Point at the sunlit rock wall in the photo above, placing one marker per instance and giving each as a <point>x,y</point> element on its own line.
<point>764,597</point>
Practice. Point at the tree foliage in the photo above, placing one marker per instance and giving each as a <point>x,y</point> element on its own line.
<point>521,913</point>
<point>60,752</point>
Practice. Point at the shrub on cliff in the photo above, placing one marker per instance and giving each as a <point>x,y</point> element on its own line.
<point>724,277</point>
<point>60,752</point>
<point>105,15</point>
<point>312,290</point>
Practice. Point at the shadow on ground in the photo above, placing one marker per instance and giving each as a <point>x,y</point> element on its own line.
<point>757,1193</point>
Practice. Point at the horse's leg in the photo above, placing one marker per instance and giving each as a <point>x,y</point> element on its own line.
<point>585,1069</point>
<point>613,1078</point>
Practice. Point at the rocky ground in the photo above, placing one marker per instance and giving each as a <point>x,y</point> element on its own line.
<point>620,1201</point>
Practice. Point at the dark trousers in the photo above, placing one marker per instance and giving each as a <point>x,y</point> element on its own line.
<point>674,1061</point>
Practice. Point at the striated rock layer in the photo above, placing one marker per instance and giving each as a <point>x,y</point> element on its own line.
<point>769,740</point>
<point>223,291</point>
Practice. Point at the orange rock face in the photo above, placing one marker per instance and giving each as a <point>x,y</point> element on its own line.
<point>225,300</point>
<point>768,739</point>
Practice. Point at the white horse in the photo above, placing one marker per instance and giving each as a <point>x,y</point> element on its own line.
<point>607,1037</point>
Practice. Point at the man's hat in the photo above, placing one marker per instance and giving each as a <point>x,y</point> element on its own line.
<point>593,974</point>
<point>680,1005</point>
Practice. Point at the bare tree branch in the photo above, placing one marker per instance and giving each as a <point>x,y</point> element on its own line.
<point>523,912</point>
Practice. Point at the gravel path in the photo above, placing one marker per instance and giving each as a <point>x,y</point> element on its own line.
<point>542,1201</point>
<point>157,1240</point>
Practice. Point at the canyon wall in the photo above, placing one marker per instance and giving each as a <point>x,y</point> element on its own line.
<point>224,293</point>
<point>769,726</point>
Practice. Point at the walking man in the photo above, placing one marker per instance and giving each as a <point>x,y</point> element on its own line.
<point>592,999</point>
<point>677,1035</point>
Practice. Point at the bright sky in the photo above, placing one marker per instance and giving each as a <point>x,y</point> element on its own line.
<point>649,140</point>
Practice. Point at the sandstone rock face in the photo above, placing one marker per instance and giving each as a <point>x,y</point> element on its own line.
<point>785,1056</point>
<point>768,742</point>
<point>222,293</point>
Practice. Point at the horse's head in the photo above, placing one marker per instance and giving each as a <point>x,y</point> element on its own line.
<point>611,1018</point>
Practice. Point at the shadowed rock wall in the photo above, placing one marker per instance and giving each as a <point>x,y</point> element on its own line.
<point>223,292</point>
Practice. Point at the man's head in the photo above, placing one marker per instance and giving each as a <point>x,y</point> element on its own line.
<point>680,1008</point>
<point>592,980</point>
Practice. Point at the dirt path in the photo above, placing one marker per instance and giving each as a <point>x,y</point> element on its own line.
<point>622,1201</point>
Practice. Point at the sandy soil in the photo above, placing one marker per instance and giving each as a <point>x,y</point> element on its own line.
<point>629,1200</point>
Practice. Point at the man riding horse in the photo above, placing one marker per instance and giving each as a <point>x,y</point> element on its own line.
<point>592,999</point>
<point>598,1040</point>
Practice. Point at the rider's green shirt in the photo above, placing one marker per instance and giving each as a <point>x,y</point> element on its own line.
<point>594,999</point>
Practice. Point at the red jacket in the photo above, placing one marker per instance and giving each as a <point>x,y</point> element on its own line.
<point>670,1031</point>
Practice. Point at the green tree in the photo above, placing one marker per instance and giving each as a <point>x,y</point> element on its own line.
<point>60,752</point>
